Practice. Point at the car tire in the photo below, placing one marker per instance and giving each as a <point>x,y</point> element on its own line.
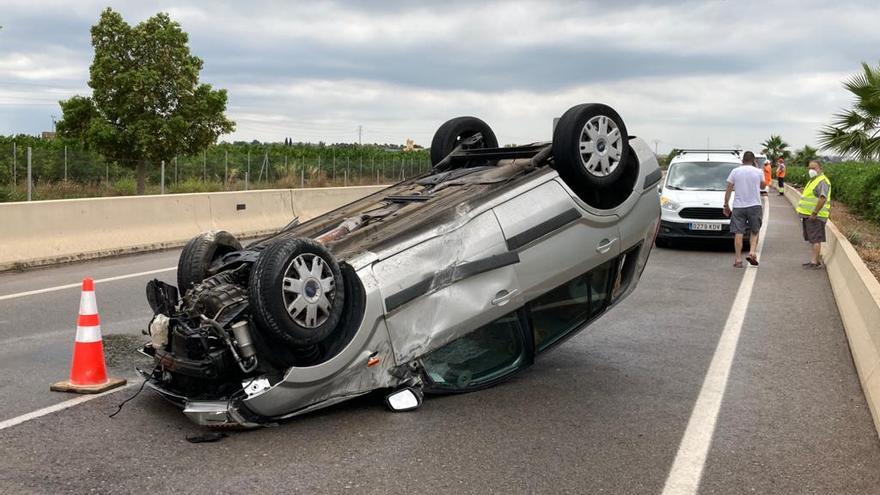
<point>591,148</point>
<point>452,132</point>
<point>285,273</point>
<point>199,253</point>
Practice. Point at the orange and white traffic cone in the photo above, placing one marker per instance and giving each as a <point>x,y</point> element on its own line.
<point>88,373</point>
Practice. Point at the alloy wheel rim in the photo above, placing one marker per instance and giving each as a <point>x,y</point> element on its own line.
<point>600,146</point>
<point>308,287</point>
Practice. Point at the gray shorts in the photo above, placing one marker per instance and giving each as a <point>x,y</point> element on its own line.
<point>747,219</point>
<point>814,230</point>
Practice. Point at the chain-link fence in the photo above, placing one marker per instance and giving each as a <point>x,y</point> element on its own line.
<point>60,170</point>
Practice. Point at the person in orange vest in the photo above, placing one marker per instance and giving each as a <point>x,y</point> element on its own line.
<point>767,174</point>
<point>780,175</point>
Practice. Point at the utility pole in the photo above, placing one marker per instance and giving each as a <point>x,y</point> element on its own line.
<point>360,133</point>
<point>656,142</point>
<point>30,182</point>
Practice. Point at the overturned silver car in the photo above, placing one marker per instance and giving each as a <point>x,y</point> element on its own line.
<point>447,282</point>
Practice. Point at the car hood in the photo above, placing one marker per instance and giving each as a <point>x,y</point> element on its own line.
<point>696,198</point>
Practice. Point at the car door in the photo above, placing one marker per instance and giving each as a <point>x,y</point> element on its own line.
<point>448,286</point>
<point>555,237</point>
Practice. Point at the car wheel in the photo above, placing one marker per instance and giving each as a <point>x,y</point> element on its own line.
<point>590,148</point>
<point>453,132</point>
<point>296,292</point>
<point>199,253</point>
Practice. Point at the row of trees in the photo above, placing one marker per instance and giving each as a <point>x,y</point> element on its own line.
<point>775,147</point>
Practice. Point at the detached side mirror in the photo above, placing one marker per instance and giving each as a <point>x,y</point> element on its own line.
<point>405,399</point>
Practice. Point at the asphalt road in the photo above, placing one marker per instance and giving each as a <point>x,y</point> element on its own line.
<point>603,413</point>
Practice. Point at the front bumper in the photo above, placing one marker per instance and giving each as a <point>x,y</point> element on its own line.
<point>211,413</point>
<point>682,230</point>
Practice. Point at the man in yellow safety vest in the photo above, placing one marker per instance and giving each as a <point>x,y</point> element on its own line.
<point>814,208</point>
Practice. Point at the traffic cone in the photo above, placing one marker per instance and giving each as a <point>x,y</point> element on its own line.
<point>88,374</point>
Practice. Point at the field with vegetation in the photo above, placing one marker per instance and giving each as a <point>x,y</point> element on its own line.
<point>63,169</point>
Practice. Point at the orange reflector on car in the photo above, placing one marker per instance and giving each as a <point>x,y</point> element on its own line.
<point>373,361</point>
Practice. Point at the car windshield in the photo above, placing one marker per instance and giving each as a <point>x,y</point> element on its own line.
<point>699,176</point>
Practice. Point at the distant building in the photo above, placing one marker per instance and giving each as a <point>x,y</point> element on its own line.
<point>49,135</point>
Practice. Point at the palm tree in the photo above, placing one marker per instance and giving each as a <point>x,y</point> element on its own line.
<point>803,156</point>
<point>857,131</point>
<point>775,148</point>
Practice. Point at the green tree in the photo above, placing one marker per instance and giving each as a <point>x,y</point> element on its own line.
<point>147,103</point>
<point>803,156</point>
<point>775,147</point>
<point>857,131</point>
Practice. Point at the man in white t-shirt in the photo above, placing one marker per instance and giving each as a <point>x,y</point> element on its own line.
<point>746,181</point>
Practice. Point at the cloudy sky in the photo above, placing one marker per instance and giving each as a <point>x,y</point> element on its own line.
<point>680,73</point>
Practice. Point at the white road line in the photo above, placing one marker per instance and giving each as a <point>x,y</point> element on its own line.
<point>687,469</point>
<point>78,284</point>
<point>59,407</point>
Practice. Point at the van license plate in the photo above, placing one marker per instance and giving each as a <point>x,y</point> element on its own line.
<point>705,226</point>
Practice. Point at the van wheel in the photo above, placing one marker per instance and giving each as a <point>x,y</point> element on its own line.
<point>591,148</point>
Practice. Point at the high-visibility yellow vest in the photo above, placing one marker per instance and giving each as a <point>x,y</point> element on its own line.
<point>808,201</point>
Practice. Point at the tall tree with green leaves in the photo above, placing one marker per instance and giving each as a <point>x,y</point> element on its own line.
<point>775,147</point>
<point>147,103</point>
<point>857,131</point>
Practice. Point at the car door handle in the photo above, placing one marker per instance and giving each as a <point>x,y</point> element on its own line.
<point>605,245</point>
<point>503,297</point>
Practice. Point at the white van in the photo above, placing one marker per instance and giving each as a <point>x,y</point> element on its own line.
<point>692,196</point>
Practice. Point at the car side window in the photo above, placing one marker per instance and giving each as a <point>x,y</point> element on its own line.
<point>569,306</point>
<point>478,358</point>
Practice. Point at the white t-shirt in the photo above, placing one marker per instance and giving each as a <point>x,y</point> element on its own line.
<point>746,181</point>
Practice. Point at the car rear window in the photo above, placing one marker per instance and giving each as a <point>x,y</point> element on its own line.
<point>699,176</point>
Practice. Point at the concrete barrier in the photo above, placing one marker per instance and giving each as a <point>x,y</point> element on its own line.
<point>857,293</point>
<point>309,203</point>
<point>44,232</point>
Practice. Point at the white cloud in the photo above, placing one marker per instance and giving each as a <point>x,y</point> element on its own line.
<point>678,112</point>
<point>732,71</point>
